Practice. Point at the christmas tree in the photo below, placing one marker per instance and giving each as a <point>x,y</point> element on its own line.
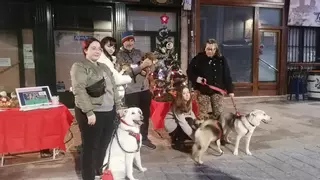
<point>167,75</point>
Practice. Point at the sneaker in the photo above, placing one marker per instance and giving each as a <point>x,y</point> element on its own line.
<point>147,143</point>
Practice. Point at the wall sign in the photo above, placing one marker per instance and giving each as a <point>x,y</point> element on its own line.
<point>28,56</point>
<point>5,62</point>
<point>81,37</point>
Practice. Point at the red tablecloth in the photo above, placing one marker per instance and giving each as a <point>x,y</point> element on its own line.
<point>158,111</point>
<point>23,131</point>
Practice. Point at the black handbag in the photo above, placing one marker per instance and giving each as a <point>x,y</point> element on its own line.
<point>97,89</point>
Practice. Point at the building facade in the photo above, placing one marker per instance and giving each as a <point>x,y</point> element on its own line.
<point>40,40</point>
<point>252,35</point>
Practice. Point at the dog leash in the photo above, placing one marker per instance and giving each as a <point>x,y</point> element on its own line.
<point>223,92</point>
<point>235,107</point>
<point>204,82</point>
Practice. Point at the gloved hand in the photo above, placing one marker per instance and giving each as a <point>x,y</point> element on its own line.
<point>200,80</point>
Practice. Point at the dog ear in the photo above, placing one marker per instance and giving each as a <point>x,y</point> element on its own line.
<point>122,112</point>
<point>253,114</point>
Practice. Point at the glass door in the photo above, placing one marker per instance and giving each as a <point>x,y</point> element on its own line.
<point>269,55</point>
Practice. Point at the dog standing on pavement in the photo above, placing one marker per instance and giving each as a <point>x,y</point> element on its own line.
<point>243,126</point>
<point>208,131</point>
<point>125,145</point>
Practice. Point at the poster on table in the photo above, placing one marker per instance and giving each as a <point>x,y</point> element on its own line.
<point>32,96</point>
<point>304,13</point>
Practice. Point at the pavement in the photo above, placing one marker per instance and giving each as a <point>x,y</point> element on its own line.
<point>286,148</point>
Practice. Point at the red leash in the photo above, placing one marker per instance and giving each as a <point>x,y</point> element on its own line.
<point>223,92</point>
<point>204,82</point>
<point>235,107</point>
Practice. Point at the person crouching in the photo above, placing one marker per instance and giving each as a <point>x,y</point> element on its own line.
<point>179,120</point>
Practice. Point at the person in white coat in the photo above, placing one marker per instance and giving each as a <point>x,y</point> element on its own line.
<point>108,45</point>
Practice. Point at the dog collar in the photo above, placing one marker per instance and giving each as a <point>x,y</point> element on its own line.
<point>122,121</point>
<point>250,122</point>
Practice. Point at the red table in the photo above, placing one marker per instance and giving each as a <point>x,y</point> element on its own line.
<point>158,111</point>
<point>34,130</point>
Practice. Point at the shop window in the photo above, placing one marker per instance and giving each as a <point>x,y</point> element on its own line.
<point>143,43</point>
<point>150,21</point>
<point>73,24</point>
<point>16,15</point>
<point>270,16</point>
<point>83,17</point>
<point>9,61</point>
<point>68,51</point>
<point>232,27</point>
<point>146,25</point>
<point>302,44</point>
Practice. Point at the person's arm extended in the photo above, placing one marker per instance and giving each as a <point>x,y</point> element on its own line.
<point>79,84</point>
<point>181,119</point>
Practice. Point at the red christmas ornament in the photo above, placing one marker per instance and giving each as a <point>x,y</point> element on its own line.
<point>164,19</point>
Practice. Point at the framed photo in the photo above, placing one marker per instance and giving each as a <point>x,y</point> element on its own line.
<point>34,96</point>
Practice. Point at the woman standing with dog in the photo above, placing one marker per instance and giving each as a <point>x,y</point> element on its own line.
<point>180,120</point>
<point>96,101</point>
<point>210,68</point>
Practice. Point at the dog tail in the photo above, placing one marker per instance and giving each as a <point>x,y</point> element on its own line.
<point>216,124</point>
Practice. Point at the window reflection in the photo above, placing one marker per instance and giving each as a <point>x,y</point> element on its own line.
<point>232,27</point>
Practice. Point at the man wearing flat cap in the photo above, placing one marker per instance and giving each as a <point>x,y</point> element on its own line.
<point>137,92</point>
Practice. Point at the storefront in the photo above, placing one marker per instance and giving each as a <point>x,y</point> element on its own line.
<point>252,36</point>
<point>16,52</point>
<point>51,33</point>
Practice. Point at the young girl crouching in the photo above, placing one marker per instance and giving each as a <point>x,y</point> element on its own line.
<point>179,119</point>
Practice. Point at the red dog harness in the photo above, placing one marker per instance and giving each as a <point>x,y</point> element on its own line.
<point>137,136</point>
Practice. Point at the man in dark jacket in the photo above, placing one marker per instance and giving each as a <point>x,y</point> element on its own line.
<point>210,67</point>
<point>137,92</point>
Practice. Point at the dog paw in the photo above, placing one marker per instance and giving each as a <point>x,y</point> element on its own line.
<point>235,153</point>
<point>143,169</point>
<point>200,162</point>
<point>249,153</point>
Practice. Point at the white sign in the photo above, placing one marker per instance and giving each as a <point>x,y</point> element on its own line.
<point>28,56</point>
<point>4,62</point>
<point>304,13</point>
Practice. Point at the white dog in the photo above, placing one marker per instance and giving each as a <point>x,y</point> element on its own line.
<point>125,145</point>
<point>243,126</point>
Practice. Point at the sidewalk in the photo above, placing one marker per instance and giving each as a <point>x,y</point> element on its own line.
<point>287,148</point>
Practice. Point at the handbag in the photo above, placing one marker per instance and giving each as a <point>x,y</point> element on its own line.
<point>97,89</point>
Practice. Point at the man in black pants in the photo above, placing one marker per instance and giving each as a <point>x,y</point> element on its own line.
<point>137,92</point>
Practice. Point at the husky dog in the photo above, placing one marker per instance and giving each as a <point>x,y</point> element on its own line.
<point>208,131</point>
<point>125,145</point>
<point>243,126</point>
